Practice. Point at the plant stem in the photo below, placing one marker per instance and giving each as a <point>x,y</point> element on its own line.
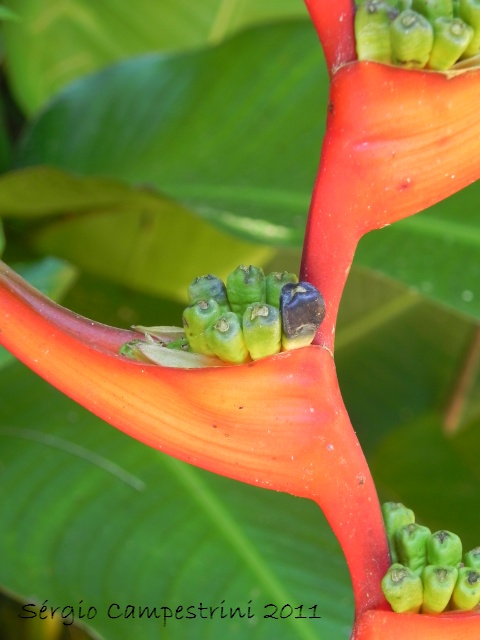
<point>333,20</point>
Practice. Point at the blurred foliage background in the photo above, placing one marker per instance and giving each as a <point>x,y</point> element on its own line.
<point>142,144</point>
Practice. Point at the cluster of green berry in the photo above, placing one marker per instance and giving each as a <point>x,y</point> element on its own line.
<point>249,317</point>
<point>427,573</point>
<point>435,34</point>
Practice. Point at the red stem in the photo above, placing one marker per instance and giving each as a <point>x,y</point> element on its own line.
<point>333,20</point>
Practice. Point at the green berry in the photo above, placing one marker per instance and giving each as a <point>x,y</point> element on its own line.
<point>438,584</point>
<point>225,339</point>
<point>245,286</point>
<point>196,318</point>
<point>403,589</point>
<point>262,330</point>
<point>412,39</point>
<point>274,283</point>
<point>444,547</point>
<point>411,546</point>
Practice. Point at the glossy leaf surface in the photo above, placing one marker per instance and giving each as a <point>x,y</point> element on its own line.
<point>106,520</point>
<point>57,41</point>
<point>265,199</point>
<point>210,134</point>
<point>132,236</point>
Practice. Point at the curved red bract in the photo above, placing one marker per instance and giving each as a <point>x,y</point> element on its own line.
<point>397,141</point>
<point>386,625</point>
<point>277,423</point>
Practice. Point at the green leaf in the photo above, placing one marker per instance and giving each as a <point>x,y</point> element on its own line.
<point>4,140</point>
<point>60,40</point>
<point>2,238</point>
<point>132,236</point>
<point>436,475</point>
<point>91,515</point>
<point>8,14</point>
<point>402,364</point>
<point>51,276</point>
<point>435,252</point>
<point>398,355</point>
<point>240,148</point>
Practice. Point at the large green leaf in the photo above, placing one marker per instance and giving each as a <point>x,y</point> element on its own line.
<point>57,41</point>
<point>435,474</point>
<point>412,348</point>
<point>90,515</point>
<point>436,252</point>
<point>239,147</point>
<point>132,236</point>
<point>400,360</point>
<point>4,140</point>
<point>242,150</point>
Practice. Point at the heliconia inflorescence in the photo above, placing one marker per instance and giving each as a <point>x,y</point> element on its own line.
<point>248,318</point>
<point>427,574</point>
<point>431,34</point>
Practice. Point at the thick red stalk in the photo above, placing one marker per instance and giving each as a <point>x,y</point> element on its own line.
<point>333,20</point>
<point>279,423</point>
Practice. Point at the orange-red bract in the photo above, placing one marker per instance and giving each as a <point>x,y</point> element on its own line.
<point>397,141</point>
<point>386,625</point>
<point>278,423</point>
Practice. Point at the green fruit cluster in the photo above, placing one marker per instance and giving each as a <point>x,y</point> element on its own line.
<point>249,317</point>
<point>432,34</point>
<point>428,574</point>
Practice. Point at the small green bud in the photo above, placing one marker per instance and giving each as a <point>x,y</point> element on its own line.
<point>412,39</point>
<point>196,319</point>
<point>411,546</point>
<point>451,38</point>
<point>472,559</point>
<point>469,12</point>
<point>225,339</point>
<point>181,344</point>
<point>303,309</point>
<point>438,584</point>
<point>209,288</point>
<point>395,515</point>
<point>131,350</point>
<point>403,589</point>
<point>262,330</point>
<point>433,9</point>
<point>274,283</point>
<point>466,594</point>
<point>372,31</point>
<point>245,286</point>
<point>444,547</point>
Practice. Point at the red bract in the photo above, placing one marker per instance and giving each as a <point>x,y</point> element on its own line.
<point>386,625</point>
<point>278,423</point>
<point>397,141</point>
